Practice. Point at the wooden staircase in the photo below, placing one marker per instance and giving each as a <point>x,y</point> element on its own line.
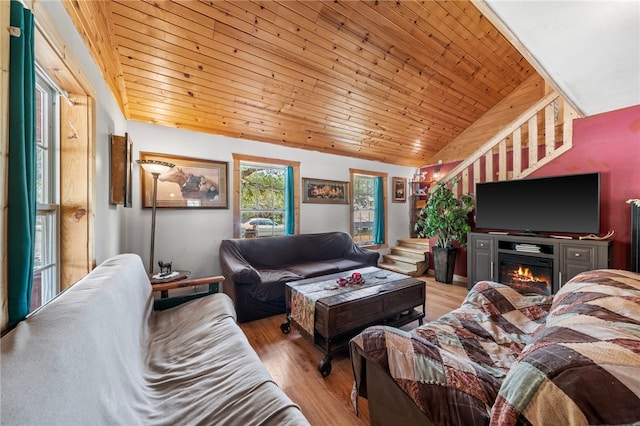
<point>409,257</point>
<point>539,135</point>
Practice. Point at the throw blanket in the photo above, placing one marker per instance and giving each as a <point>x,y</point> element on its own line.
<point>584,367</point>
<point>452,368</point>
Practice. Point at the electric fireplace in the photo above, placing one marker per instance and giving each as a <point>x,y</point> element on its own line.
<point>526,272</point>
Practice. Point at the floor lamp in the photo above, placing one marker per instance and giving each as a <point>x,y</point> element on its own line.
<point>156,168</point>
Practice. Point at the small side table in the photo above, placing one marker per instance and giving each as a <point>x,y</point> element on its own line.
<point>182,275</point>
<point>164,287</point>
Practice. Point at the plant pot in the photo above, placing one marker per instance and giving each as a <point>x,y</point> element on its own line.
<point>444,261</point>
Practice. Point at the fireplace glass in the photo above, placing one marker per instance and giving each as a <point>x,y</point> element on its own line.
<point>526,272</point>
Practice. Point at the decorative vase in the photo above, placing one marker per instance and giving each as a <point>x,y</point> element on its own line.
<point>444,261</point>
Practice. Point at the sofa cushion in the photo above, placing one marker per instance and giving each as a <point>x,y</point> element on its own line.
<point>272,285</point>
<point>266,252</point>
<point>346,264</point>
<point>323,246</point>
<point>205,371</point>
<point>278,275</point>
<point>313,268</point>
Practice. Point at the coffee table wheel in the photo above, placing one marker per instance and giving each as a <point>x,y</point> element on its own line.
<point>285,327</point>
<point>324,367</point>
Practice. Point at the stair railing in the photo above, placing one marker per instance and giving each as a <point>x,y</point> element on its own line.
<point>540,134</point>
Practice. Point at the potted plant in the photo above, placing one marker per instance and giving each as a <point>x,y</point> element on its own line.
<point>445,216</point>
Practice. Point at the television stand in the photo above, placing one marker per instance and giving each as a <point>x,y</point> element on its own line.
<point>525,234</point>
<point>569,257</point>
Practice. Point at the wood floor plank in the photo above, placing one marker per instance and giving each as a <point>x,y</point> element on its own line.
<point>292,360</point>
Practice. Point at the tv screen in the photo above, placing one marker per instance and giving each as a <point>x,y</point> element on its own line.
<point>562,204</point>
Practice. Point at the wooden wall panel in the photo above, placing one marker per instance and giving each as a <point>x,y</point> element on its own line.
<point>496,119</point>
<point>75,191</point>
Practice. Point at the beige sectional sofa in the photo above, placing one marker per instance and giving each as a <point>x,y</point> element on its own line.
<point>100,355</point>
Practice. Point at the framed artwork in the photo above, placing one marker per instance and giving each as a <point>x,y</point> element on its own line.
<point>121,187</point>
<point>325,191</point>
<point>399,185</point>
<point>191,183</point>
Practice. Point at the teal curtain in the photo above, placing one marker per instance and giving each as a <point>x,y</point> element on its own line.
<point>378,206</point>
<point>21,215</point>
<point>289,208</point>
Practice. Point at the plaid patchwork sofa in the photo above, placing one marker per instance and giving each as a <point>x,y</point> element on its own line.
<point>506,357</point>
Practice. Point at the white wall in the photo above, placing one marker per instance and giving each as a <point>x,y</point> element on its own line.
<point>191,237</point>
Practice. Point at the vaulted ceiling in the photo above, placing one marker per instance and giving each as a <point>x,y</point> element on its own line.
<point>389,81</point>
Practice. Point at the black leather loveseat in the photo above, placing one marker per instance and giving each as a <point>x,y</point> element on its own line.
<point>256,269</point>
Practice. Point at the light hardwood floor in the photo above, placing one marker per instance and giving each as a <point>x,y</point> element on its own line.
<point>292,361</point>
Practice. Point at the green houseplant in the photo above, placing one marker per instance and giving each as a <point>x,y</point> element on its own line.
<point>445,216</point>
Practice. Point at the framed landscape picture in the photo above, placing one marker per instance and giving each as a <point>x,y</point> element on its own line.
<point>191,183</point>
<point>325,191</point>
<point>399,185</point>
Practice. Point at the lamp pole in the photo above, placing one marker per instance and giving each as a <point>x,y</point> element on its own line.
<point>156,168</point>
<point>153,219</point>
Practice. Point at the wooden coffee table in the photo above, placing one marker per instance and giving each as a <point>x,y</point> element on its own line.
<point>340,313</point>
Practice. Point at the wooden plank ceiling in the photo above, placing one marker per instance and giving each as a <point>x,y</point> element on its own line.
<point>389,81</point>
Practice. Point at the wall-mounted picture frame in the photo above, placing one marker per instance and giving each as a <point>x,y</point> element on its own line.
<point>191,183</point>
<point>121,187</point>
<point>399,185</point>
<point>324,191</point>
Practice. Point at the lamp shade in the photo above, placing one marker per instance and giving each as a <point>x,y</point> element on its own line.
<point>155,166</point>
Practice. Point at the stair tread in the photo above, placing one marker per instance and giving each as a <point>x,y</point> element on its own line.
<point>412,250</point>
<point>396,268</point>
<point>403,259</point>
<point>414,243</point>
<point>419,241</point>
<point>415,240</point>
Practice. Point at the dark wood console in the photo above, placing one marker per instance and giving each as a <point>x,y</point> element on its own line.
<point>568,257</point>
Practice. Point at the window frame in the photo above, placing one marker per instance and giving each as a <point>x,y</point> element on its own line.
<point>237,213</point>
<point>47,203</point>
<point>385,191</point>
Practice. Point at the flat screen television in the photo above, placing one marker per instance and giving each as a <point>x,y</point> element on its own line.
<point>560,204</point>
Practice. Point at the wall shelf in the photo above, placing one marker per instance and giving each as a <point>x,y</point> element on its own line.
<point>418,190</point>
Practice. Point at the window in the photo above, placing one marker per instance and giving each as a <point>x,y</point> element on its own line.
<point>368,208</point>
<point>46,283</point>
<point>266,204</point>
<point>63,247</point>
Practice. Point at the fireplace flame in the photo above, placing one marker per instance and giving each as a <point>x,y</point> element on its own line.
<point>524,274</point>
<point>524,277</point>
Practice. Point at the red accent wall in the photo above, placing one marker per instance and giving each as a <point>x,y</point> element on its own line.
<point>608,143</point>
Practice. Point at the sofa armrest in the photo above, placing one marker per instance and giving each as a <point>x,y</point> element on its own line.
<point>166,302</point>
<point>355,252</point>
<point>187,283</point>
<point>235,267</point>
<point>163,288</point>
